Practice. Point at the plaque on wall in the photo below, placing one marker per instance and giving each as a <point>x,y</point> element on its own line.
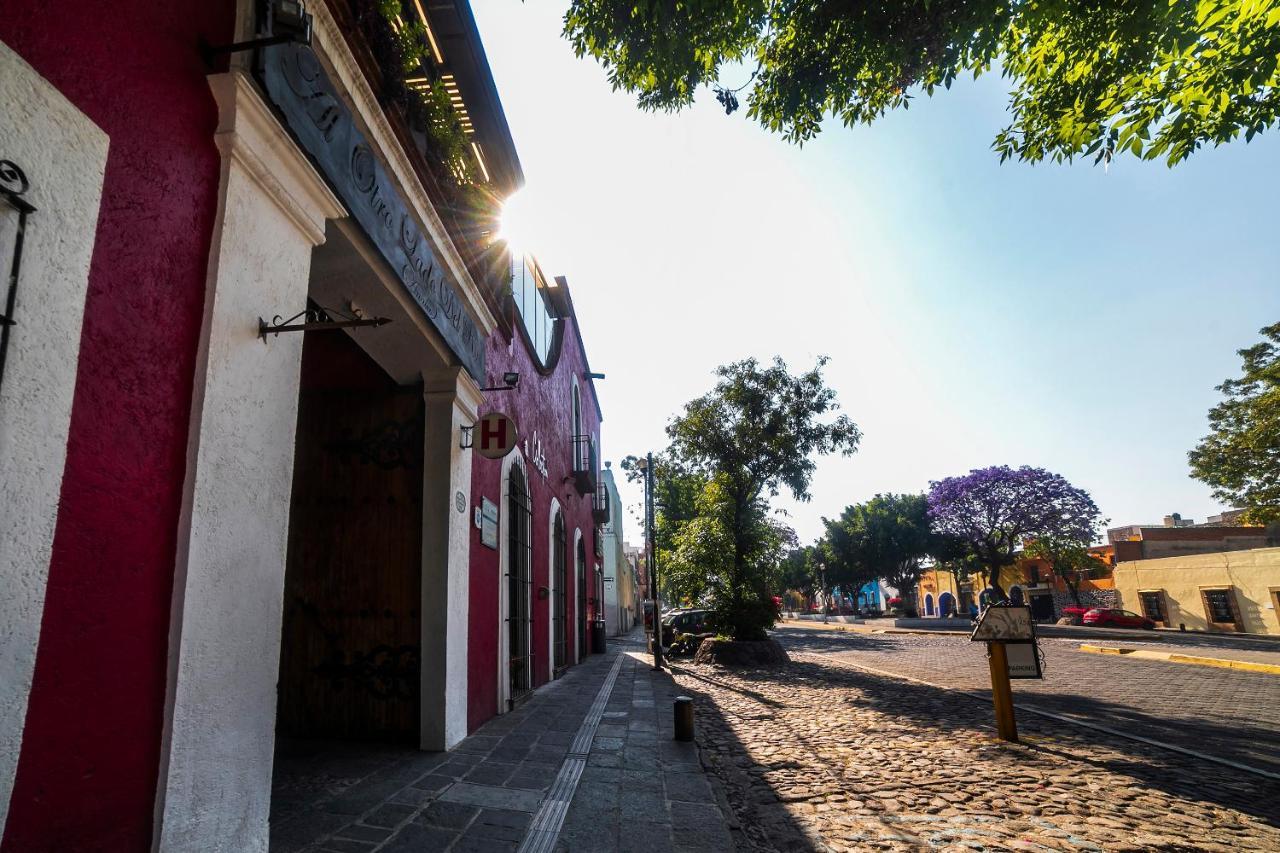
<point>488,524</point>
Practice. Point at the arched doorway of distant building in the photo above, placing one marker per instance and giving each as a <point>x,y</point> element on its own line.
<point>928,604</point>
<point>946,604</point>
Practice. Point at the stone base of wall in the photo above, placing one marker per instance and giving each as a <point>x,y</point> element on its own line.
<point>1104,598</point>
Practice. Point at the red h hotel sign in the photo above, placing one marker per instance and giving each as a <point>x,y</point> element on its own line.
<point>495,435</point>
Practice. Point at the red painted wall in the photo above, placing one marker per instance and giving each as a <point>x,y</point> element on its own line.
<point>87,772</point>
<point>543,404</point>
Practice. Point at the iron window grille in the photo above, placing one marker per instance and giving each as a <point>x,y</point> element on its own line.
<point>600,505</point>
<point>560,583</point>
<point>15,210</point>
<point>519,660</point>
<point>584,464</point>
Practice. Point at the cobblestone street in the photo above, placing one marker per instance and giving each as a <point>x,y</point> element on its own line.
<point>822,755</point>
<point>1232,714</point>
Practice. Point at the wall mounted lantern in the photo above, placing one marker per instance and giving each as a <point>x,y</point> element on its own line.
<point>13,226</point>
<point>286,21</point>
<point>510,380</point>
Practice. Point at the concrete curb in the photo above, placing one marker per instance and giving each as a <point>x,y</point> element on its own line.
<point>1194,660</point>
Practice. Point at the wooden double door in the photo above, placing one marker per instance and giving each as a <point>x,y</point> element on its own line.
<point>351,640</point>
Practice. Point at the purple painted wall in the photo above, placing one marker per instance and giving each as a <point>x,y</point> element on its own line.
<point>87,771</point>
<point>542,404</point>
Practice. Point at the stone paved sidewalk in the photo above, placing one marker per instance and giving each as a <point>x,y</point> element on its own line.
<point>639,789</point>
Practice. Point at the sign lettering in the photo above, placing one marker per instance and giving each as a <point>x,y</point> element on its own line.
<point>296,83</point>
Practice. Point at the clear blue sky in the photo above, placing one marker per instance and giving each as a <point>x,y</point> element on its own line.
<point>975,313</point>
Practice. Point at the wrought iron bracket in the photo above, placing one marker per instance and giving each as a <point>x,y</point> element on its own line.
<point>13,184</point>
<point>317,319</point>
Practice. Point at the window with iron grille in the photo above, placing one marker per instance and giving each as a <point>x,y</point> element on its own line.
<point>560,583</point>
<point>520,512</point>
<point>1218,603</point>
<point>1152,606</point>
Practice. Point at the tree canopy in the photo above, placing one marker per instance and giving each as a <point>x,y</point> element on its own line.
<point>1240,458</point>
<point>1153,78</point>
<point>885,537</point>
<point>994,510</point>
<point>755,433</point>
<point>1069,559</point>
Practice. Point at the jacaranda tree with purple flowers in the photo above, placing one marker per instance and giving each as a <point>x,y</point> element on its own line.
<point>994,510</point>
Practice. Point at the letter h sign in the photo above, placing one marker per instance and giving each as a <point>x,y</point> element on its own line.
<point>497,435</point>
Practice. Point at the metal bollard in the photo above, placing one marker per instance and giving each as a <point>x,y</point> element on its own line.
<point>684,718</point>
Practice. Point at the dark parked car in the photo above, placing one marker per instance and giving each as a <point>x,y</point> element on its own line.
<point>1109,618</point>
<point>692,622</point>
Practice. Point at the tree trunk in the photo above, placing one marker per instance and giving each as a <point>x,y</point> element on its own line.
<point>1074,588</point>
<point>993,581</point>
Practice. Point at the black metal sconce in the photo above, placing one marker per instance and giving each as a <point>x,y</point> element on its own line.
<point>317,319</point>
<point>510,380</point>
<point>468,440</point>
<point>13,184</point>
<point>287,21</point>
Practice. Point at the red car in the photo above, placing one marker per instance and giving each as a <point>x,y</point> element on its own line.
<point>1108,618</point>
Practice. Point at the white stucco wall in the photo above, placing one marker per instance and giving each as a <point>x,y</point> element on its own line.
<point>215,775</point>
<point>63,155</point>
<point>614,561</point>
<point>452,401</point>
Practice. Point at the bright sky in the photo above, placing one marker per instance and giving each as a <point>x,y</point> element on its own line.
<point>976,314</point>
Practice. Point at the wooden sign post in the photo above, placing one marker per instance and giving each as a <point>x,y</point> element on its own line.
<point>1003,624</point>
<point>1002,693</point>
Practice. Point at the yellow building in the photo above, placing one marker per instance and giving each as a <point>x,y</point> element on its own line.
<point>1222,591</point>
<point>939,594</point>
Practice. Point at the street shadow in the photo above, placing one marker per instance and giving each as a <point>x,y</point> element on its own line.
<point>756,805</point>
<point>951,715</point>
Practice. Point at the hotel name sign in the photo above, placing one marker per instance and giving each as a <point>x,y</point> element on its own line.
<point>298,86</point>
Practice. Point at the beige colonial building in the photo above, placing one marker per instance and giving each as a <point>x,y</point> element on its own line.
<point>1235,591</point>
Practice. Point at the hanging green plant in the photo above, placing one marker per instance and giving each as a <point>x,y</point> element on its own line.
<point>399,45</point>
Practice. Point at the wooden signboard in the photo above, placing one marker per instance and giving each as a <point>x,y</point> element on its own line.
<point>1005,624</point>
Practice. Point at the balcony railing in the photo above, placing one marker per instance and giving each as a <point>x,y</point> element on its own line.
<point>584,464</point>
<point>600,505</point>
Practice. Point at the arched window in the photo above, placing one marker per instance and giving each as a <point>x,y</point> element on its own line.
<point>577,410</point>
<point>560,581</point>
<point>520,512</point>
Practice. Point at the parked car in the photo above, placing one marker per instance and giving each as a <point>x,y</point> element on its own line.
<point>692,623</point>
<point>1109,618</point>
<point>1075,615</point>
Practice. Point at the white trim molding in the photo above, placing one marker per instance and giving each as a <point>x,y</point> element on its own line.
<point>64,155</point>
<point>214,790</point>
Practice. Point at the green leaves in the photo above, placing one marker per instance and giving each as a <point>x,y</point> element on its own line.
<point>755,433</point>
<point>1150,78</point>
<point>1240,458</point>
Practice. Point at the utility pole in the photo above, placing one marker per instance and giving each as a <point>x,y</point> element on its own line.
<point>651,553</point>
<point>826,594</point>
